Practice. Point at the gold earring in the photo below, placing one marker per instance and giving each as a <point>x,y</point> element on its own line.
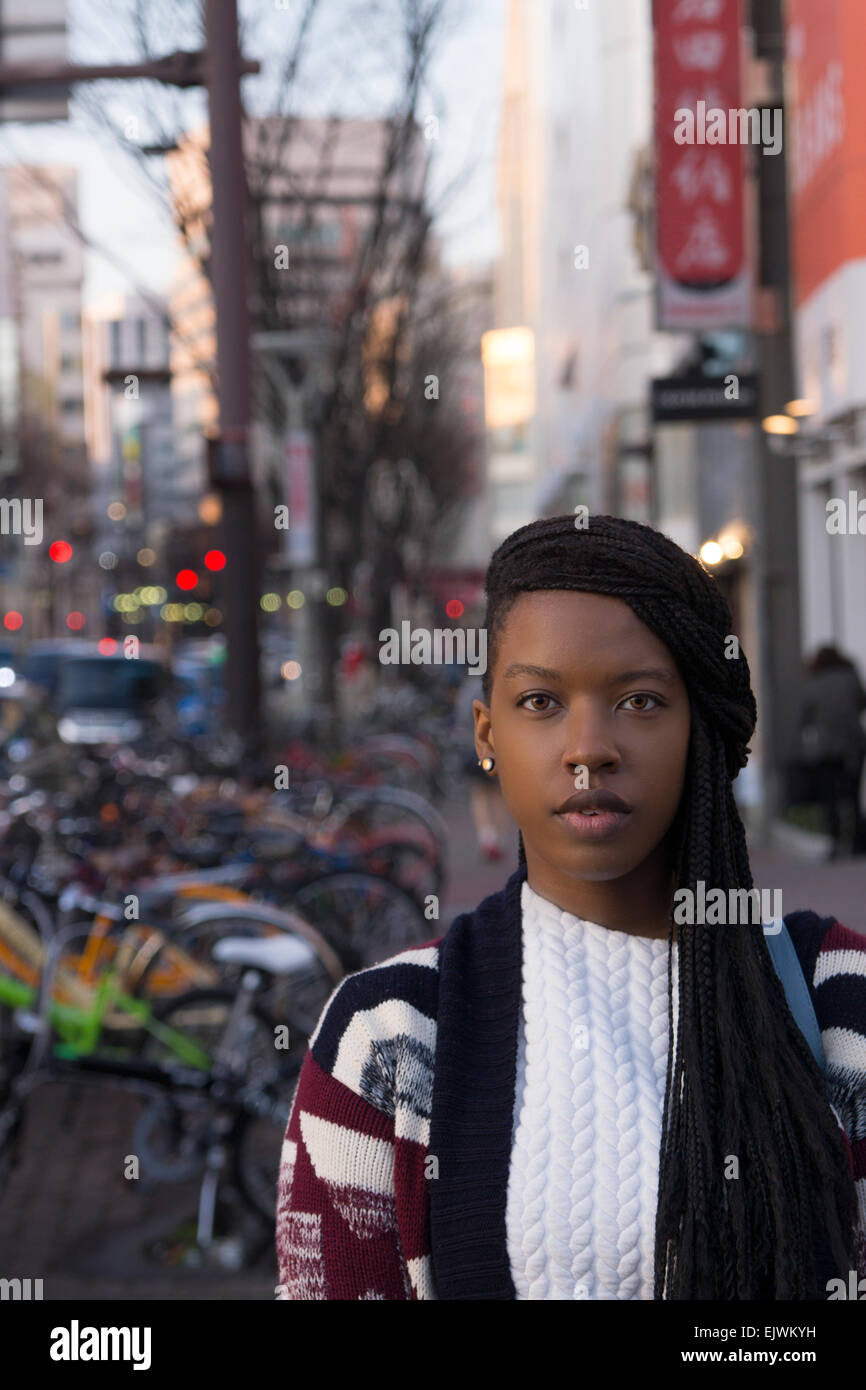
<point>488,764</point>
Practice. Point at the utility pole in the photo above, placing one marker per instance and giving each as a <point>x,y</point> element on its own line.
<point>230,473</point>
<point>219,69</point>
<point>775,482</point>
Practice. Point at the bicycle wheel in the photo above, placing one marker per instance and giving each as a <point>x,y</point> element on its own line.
<point>365,918</point>
<point>174,1133</point>
<point>383,807</point>
<point>296,999</point>
<point>391,764</point>
<point>202,1015</point>
<point>404,857</point>
<point>11,1119</point>
<point>256,1153</point>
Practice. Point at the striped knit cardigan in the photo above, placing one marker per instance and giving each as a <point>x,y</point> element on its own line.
<point>394,1170</point>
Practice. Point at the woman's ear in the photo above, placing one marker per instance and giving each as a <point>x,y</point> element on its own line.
<point>483,727</point>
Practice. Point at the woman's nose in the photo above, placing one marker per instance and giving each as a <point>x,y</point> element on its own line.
<point>589,741</point>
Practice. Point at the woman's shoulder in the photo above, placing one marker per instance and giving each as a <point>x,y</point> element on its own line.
<point>377,1016</point>
<point>833,958</point>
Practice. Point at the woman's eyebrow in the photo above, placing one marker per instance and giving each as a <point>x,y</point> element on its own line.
<point>547,673</point>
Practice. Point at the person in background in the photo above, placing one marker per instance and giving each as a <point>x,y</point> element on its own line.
<point>834,744</point>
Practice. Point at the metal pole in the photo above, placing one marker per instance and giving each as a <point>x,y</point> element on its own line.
<point>231,474</point>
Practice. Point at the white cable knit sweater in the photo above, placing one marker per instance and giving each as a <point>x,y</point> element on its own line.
<point>592,1058</point>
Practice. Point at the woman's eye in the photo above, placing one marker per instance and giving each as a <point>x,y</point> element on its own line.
<point>522,702</point>
<point>650,702</point>
<point>644,696</point>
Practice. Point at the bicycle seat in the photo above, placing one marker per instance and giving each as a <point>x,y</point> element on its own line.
<point>279,955</point>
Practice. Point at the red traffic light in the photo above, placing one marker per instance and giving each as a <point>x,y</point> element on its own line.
<point>186,579</point>
<point>12,621</point>
<point>215,560</point>
<point>60,552</point>
<point>75,620</point>
<point>107,646</point>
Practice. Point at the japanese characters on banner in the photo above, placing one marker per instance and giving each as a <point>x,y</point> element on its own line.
<point>703,272</point>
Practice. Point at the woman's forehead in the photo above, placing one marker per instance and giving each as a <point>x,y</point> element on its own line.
<point>566,614</point>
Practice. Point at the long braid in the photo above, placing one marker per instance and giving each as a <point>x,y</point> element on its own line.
<point>742,1087</point>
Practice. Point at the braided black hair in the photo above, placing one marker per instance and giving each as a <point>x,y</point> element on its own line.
<point>742,1081</point>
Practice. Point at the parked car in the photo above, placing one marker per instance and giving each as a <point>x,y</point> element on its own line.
<point>41,661</point>
<point>107,699</point>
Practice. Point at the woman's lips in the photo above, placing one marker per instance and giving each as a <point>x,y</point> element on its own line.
<point>603,825</point>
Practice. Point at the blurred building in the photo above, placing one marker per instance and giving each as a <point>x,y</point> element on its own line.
<point>141,490</point>
<point>314,195</point>
<point>568,378</point>
<point>48,274</point>
<point>131,414</point>
<point>460,545</point>
<point>827,164</point>
<point>43,388</point>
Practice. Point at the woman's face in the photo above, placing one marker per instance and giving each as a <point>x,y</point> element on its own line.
<point>606,697</point>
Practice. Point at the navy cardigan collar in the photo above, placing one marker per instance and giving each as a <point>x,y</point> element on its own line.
<point>473,1096</point>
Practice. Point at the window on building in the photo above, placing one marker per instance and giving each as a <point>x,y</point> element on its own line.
<point>72,405</point>
<point>114,343</point>
<point>70,320</point>
<point>141,339</point>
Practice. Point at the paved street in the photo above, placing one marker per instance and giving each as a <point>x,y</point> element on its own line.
<point>71,1218</point>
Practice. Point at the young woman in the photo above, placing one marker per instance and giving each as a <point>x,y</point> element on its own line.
<point>580,1090</point>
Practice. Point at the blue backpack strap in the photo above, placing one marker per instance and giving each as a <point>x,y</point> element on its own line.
<point>787,965</point>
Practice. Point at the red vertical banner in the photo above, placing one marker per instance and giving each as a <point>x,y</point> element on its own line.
<point>702,266</point>
<point>825,48</point>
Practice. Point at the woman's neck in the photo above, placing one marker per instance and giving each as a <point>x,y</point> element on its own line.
<point>639,903</point>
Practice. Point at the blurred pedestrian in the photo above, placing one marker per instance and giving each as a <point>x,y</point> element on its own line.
<point>833,744</point>
<point>490,814</point>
